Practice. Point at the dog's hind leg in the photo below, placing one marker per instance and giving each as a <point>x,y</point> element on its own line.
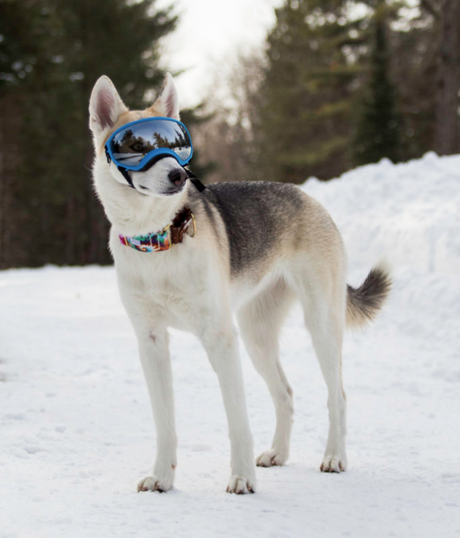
<point>260,322</point>
<point>324,309</point>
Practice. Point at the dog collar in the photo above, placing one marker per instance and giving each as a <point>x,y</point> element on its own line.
<point>184,222</point>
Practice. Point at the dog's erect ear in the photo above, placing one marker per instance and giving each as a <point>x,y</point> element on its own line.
<point>105,106</point>
<point>167,103</point>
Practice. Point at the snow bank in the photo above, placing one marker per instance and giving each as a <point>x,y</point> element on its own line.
<point>409,212</point>
<point>76,431</point>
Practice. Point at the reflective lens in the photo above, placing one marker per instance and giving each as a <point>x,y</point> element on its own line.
<point>132,143</point>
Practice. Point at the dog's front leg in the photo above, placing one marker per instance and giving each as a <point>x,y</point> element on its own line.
<point>222,349</point>
<point>154,355</point>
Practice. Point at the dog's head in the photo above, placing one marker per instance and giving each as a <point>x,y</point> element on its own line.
<point>108,113</point>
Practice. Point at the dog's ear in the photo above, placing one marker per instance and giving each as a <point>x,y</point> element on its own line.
<point>167,103</point>
<point>105,106</point>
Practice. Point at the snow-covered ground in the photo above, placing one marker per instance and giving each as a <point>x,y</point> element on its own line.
<point>76,431</point>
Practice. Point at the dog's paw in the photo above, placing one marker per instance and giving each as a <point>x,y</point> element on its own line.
<point>271,458</point>
<point>152,483</point>
<point>240,485</point>
<point>333,464</point>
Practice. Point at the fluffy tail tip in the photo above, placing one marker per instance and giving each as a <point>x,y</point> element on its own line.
<point>364,303</point>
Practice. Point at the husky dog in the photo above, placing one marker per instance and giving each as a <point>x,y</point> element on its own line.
<point>257,248</point>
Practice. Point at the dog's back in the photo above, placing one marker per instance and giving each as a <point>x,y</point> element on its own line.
<point>264,220</point>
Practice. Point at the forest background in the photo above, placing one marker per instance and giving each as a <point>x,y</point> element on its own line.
<point>337,84</point>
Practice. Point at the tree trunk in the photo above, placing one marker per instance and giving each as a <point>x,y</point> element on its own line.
<point>447,132</point>
<point>10,157</point>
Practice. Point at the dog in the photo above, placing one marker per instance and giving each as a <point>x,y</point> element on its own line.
<point>250,248</point>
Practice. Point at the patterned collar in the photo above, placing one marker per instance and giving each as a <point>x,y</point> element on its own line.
<point>170,235</point>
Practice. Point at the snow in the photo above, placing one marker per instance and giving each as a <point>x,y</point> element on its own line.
<point>76,430</point>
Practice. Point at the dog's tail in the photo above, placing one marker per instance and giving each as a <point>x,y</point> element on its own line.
<point>364,303</point>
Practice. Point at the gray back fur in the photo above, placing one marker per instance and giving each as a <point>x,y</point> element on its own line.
<point>255,215</point>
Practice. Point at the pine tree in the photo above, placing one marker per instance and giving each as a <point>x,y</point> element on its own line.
<point>379,125</point>
<point>69,44</point>
<point>304,117</point>
<point>19,48</point>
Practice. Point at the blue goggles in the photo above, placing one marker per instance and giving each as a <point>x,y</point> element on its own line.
<point>138,145</point>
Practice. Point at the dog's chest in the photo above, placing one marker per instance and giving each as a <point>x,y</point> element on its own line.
<point>172,290</point>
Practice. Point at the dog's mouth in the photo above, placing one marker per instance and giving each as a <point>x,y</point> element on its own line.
<point>169,192</point>
<point>174,190</point>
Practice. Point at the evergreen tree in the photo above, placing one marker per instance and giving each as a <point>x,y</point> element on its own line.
<point>378,132</point>
<point>413,71</point>
<point>306,106</point>
<point>52,64</point>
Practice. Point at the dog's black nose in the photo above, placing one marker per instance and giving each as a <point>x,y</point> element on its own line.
<point>177,176</point>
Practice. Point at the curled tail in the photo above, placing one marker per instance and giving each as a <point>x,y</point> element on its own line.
<point>364,303</point>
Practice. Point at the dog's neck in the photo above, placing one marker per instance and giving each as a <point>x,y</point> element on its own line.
<point>132,213</point>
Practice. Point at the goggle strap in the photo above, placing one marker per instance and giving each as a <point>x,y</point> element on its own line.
<point>126,175</point>
<point>196,182</point>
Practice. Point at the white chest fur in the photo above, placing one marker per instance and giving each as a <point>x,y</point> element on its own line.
<point>174,288</point>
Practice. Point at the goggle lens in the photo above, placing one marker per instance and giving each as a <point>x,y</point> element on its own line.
<point>131,144</point>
